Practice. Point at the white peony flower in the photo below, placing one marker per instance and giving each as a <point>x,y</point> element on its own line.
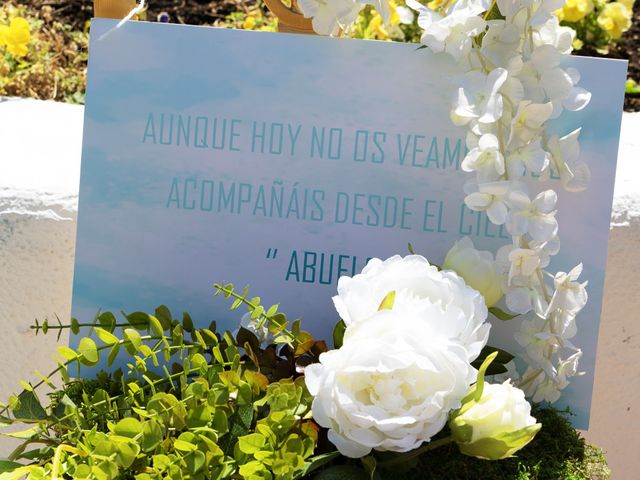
<point>564,153</point>
<point>486,159</point>
<point>477,268</point>
<point>329,16</point>
<point>496,425</point>
<point>388,388</point>
<point>442,299</point>
<point>535,217</point>
<point>479,97</point>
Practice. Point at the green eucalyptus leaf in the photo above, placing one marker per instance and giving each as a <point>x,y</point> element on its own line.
<point>187,322</point>
<point>89,352</point>
<point>138,320</point>
<point>156,327</point>
<point>128,427</point>
<point>107,337</point>
<point>164,315</point>
<point>251,443</point>
<point>151,435</point>
<point>107,321</point>
<point>113,353</point>
<point>184,446</point>
<point>195,461</point>
<point>66,353</point>
<point>29,407</point>
<point>134,340</point>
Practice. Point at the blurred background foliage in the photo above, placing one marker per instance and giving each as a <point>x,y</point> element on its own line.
<point>52,63</point>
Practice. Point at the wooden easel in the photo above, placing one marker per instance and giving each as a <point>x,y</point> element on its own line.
<point>290,20</point>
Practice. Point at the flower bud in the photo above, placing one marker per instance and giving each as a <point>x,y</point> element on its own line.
<point>477,268</point>
<point>495,424</point>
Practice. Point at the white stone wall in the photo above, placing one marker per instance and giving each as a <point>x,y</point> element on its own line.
<point>39,175</point>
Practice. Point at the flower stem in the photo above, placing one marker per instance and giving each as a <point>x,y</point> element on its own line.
<point>417,452</point>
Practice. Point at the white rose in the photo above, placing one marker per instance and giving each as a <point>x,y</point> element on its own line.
<point>441,298</point>
<point>496,425</point>
<point>477,268</point>
<point>388,388</point>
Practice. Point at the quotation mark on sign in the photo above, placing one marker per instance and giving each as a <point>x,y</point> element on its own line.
<point>271,253</point>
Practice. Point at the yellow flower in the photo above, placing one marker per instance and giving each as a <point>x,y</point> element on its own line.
<point>377,26</point>
<point>577,44</point>
<point>628,4</point>
<point>575,10</point>
<point>15,36</point>
<point>394,17</point>
<point>615,19</point>
<point>249,23</point>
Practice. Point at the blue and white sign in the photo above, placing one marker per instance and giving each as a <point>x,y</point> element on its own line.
<point>286,161</point>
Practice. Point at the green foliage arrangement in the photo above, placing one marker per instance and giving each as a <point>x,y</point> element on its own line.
<point>194,403</point>
<point>225,408</point>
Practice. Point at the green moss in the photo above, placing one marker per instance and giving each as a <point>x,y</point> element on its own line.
<point>557,453</point>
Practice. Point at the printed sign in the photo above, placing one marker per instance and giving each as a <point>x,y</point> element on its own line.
<point>285,161</point>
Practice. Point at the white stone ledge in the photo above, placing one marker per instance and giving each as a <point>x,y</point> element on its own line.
<point>40,144</point>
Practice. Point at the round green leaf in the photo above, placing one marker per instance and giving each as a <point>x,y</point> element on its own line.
<point>128,427</point>
<point>88,351</point>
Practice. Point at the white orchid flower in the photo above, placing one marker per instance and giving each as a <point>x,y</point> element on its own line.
<point>490,198</point>
<point>452,33</point>
<point>551,33</point>
<point>528,121</point>
<point>500,42</point>
<point>528,158</point>
<point>545,249</point>
<point>545,81</point>
<point>535,217</point>
<point>569,294</point>
<point>564,154</point>
<point>486,159</point>
<point>479,97</point>
<point>330,16</point>
<point>510,8</point>
<point>530,339</point>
